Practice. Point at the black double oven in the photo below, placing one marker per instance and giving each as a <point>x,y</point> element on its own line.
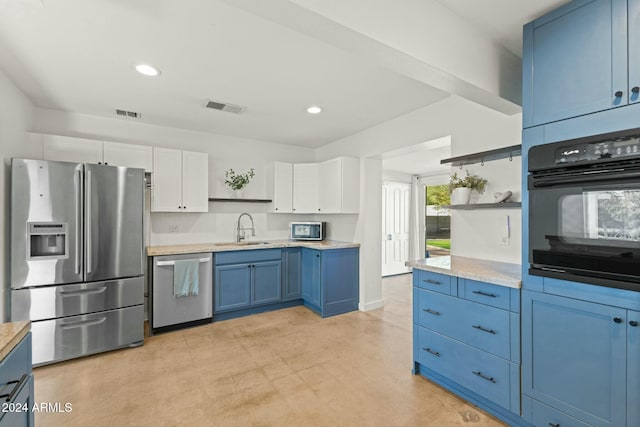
<point>584,210</point>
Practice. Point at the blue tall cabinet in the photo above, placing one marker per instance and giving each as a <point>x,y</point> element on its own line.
<point>580,342</point>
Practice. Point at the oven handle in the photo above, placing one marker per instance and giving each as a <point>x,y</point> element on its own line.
<point>591,176</point>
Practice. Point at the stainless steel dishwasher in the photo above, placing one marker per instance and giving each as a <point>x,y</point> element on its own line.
<point>170,312</point>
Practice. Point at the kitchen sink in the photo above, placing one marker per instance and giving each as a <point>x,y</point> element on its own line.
<point>242,243</point>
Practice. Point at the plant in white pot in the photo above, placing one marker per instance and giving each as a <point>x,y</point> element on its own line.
<point>461,187</point>
<point>237,182</point>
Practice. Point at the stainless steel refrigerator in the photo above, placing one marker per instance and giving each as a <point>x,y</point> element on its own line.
<point>76,256</point>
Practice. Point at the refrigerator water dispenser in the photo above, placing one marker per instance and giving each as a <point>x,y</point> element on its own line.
<point>47,240</point>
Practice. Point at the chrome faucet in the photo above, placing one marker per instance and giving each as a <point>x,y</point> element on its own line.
<point>240,236</point>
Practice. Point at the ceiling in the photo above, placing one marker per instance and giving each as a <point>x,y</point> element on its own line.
<point>502,19</point>
<point>78,56</point>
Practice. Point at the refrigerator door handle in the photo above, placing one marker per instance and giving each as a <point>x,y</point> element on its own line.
<point>78,183</point>
<point>88,221</point>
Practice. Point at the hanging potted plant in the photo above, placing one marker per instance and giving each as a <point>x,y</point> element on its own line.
<point>461,187</point>
<point>237,182</point>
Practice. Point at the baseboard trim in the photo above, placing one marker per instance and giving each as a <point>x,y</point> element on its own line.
<point>373,305</point>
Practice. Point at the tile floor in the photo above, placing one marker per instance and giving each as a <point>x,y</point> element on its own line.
<point>283,368</point>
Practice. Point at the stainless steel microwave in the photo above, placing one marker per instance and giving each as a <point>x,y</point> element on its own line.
<point>308,230</point>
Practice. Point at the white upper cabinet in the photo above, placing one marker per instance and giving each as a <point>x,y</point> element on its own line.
<point>280,187</point>
<point>180,181</point>
<point>68,149</point>
<point>306,186</point>
<point>128,155</point>
<point>340,188</point>
<point>195,182</point>
<point>82,150</point>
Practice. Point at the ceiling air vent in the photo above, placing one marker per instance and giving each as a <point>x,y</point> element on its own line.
<point>223,106</point>
<point>128,114</point>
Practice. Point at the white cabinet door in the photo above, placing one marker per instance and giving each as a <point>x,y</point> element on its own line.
<point>129,155</point>
<point>166,184</point>
<point>68,149</point>
<point>306,197</point>
<point>280,187</point>
<point>340,185</point>
<point>331,188</point>
<point>350,185</point>
<point>195,182</point>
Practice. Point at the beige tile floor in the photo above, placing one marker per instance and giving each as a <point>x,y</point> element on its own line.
<point>283,368</point>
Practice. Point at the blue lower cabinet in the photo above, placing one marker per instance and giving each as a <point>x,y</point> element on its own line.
<point>246,279</point>
<point>292,288</point>
<point>575,358</point>
<point>266,282</point>
<point>633,368</point>
<point>330,280</point>
<point>16,380</point>
<point>469,342</point>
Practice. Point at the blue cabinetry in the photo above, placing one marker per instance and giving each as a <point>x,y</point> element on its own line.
<point>16,381</point>
<point>577,60</point>
<point>245,279</point>
<point>330,280</point>
<point>633,368</point>
<point>293,274</point>
<point>467,338</point>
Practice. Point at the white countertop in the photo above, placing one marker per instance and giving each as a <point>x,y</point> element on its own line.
<point>498,273</point>
<point>224,246</point>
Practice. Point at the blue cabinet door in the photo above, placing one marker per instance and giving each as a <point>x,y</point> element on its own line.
<point>633,367</point>
<point>266,283</point>
<point>20,415</point>
<point>575,61</point>
<point>634,51</point>
<point>311,262</point>
<point>293,275</point>
<point>574,357</point>
<point>339,281</point>
<point>232,287</point>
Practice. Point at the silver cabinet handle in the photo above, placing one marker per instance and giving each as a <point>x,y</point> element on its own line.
<point>480,328</point>
<point>88,220</point>
<point>78,185</point>
<point>79,292</point>
<point>160,263</point>
<point>83,323</point>
<point>428,310</point>
<point>18,385</point>
<point>484,377</point>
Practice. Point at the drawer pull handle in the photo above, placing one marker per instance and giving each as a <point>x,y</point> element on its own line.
<point>428,310</point>
<point>485,294</point>
<point>484,377</point>
<point>80,292</point>
<point>554,424</point>
<point>433,282</point>
<point>479,327</point>
<point>18,385</point>
<point>428,350</point>
<point>82,323</point>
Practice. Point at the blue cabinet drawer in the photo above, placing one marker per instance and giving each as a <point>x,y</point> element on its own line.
<point>486,293</point>
<point>247,256</point>
<point>479,371</point>
<point>435,282</point>
<point>544,415</point>
<point>16,363</point>
<point>481,326</point>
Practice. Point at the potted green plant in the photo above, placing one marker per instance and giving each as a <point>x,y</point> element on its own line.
<point>461,187</point>
<point>237,182</point>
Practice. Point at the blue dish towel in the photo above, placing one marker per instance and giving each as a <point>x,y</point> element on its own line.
<point>185,278</point>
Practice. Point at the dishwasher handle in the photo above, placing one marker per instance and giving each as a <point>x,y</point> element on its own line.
<point>162,263</point>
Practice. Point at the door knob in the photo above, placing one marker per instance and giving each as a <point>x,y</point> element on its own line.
<point>633,323</point>
<point>619,94</point>
<point>617,320</point>
<point>635,89</point>
<point>388,236</point>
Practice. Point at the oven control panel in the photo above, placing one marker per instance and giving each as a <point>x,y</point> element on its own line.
<point>615,148</point>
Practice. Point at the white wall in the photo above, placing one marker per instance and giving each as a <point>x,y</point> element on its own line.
<point>224,152</point>
<point>395,176</point>
<point>16,118</point>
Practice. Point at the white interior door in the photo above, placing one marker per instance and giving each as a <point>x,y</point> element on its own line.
<point>395,227</point>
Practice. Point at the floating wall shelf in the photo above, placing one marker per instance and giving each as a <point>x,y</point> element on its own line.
<point>485,156</point>
<point>471,206</point>
<point>215,199</point>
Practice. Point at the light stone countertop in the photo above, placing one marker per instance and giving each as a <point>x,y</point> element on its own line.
<point>498,273</point>
<point>223,247</point>
<point>11,334</point>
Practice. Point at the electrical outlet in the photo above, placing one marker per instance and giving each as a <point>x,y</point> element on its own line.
<point>174,229</point>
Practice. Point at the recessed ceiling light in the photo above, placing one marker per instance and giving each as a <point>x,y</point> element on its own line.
<point>147,70</point>
<point>314,110</point>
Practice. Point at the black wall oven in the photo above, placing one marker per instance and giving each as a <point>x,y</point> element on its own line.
<point>584,210</point>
